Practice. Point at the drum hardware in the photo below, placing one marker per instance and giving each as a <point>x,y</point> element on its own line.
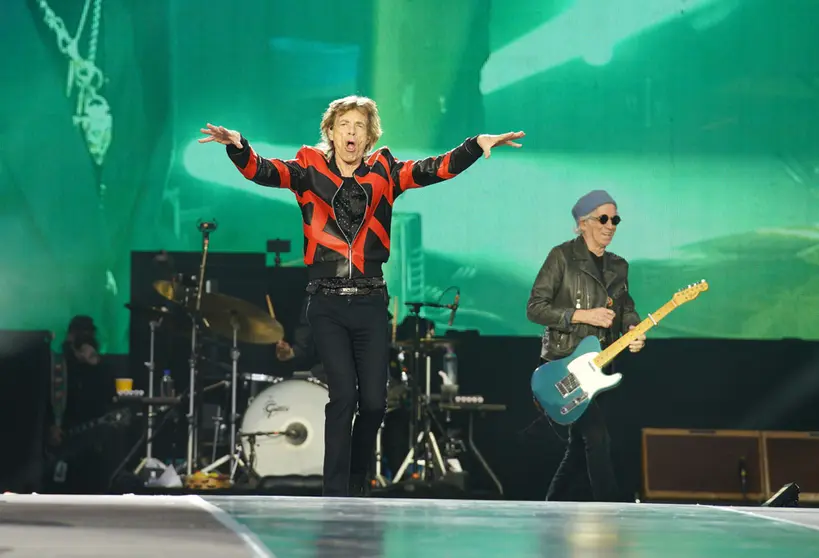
<point>190,297</point>
<point>218,425</point>
<point>233,456</point>
<point>251,436</point>
<point>379,476</point>
<point>151,365</point>
<point>424,444</point>
<point>205,227</point>
<point>154,323</point>
<point>225,316</point>
<point>252,381</point>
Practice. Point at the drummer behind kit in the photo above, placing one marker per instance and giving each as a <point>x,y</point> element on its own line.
<point>282,425</point>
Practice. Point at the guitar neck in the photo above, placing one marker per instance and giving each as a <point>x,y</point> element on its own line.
<point>608,354</point>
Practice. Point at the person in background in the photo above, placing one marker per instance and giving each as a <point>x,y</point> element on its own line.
<point>85,395</point>
<point>300,351</point>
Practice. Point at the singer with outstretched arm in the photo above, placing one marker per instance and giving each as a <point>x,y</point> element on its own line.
<point>346,194</point>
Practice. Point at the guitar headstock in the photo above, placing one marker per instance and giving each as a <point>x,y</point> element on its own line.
<point>690,292</point>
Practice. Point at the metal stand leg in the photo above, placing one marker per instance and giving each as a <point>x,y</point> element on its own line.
<point>205,228</point>
<point>217,430</point>
<point>432,449</point>
<point>379,477</point>
<point>234,455</point>
<point>191,416</point>
<point>151,368</point>
<point>234,379</point>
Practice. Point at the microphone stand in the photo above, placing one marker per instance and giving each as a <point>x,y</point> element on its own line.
<point>151,365</point>
<point>743,478</point>
<point>205,227</point>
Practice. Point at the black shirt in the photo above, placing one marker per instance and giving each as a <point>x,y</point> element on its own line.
<point>598,262</point>
<point>90,389</point>
<point>350,203</point>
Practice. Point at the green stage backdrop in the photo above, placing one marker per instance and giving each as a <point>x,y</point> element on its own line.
<point>699,116</point>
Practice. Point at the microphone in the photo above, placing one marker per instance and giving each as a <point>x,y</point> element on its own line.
<point>743,477</point>
<point>454,308</point>
<point>296,433</point>
<point>207,227</point>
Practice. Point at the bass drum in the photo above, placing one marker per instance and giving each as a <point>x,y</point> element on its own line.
<point>286,421</point>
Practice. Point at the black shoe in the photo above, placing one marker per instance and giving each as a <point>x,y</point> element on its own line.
<point>359,486</point>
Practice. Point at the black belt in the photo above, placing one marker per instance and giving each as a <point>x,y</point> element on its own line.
<point>352,287</point>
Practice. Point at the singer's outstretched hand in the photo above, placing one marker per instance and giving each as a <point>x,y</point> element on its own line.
<point>487,141</point>
<point>221,135</point>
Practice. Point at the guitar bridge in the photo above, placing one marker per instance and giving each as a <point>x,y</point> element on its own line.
<point>566,409</point>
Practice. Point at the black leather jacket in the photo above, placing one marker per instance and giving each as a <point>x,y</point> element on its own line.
<point>567,281</point>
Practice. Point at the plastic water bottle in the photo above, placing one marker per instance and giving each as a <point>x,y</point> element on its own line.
<point>451,366</point>
<point>166,387</point>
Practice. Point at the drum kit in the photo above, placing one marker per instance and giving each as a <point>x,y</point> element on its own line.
<point>277,429</point>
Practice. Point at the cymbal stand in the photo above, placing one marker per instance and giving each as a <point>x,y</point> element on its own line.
<point>205,227</point>
<point>425,439</point>
<point>379,475</point>
<point>151,365</point>
<point>234,457</point>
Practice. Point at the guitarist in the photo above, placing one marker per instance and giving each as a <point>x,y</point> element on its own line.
<point>582,290</point>
<point>87,394</point>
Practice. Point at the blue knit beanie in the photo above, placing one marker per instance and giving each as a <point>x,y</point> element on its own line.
<point>590,202</point>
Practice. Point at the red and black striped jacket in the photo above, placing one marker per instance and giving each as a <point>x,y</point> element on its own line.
<point>314,180</point>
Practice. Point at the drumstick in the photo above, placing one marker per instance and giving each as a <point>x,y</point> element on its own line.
<point>270,307</point>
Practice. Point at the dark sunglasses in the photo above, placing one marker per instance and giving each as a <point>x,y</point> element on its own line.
<point>605,219</point>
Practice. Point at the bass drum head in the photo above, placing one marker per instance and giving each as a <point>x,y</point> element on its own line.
<point>295,406</point>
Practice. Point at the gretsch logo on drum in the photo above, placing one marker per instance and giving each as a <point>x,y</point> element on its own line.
<point>273,407</point>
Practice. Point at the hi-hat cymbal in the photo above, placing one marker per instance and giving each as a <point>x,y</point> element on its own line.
<point>167,290</point>
<point>254,325</point>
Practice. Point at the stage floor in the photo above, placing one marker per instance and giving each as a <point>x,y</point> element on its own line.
<point>283,527</point>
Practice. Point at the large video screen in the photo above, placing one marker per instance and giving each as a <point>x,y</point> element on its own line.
<point>699,117</point>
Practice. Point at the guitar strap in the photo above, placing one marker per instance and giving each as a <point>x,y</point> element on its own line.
<point>59,400</point>
<point>59,388</point>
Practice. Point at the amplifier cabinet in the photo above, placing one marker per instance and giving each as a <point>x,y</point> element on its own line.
<point>681,464</point>
<point>792,457</point>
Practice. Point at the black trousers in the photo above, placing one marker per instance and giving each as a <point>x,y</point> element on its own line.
<point>352,340</point>
<point>587,460</point>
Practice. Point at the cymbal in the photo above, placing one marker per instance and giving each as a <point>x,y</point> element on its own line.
<point>167,290</point>
<point>254,325</point>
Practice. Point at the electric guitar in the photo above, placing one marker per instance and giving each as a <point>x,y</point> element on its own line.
<point>83,436</point>
<point>564,388</point>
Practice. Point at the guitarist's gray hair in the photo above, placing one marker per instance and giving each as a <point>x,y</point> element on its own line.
<point>577,230</point>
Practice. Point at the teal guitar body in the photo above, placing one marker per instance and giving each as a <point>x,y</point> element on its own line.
<point>565,388</point>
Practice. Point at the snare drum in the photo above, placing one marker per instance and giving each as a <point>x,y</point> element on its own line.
<point>283,428</point>
<point>253,384</point>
